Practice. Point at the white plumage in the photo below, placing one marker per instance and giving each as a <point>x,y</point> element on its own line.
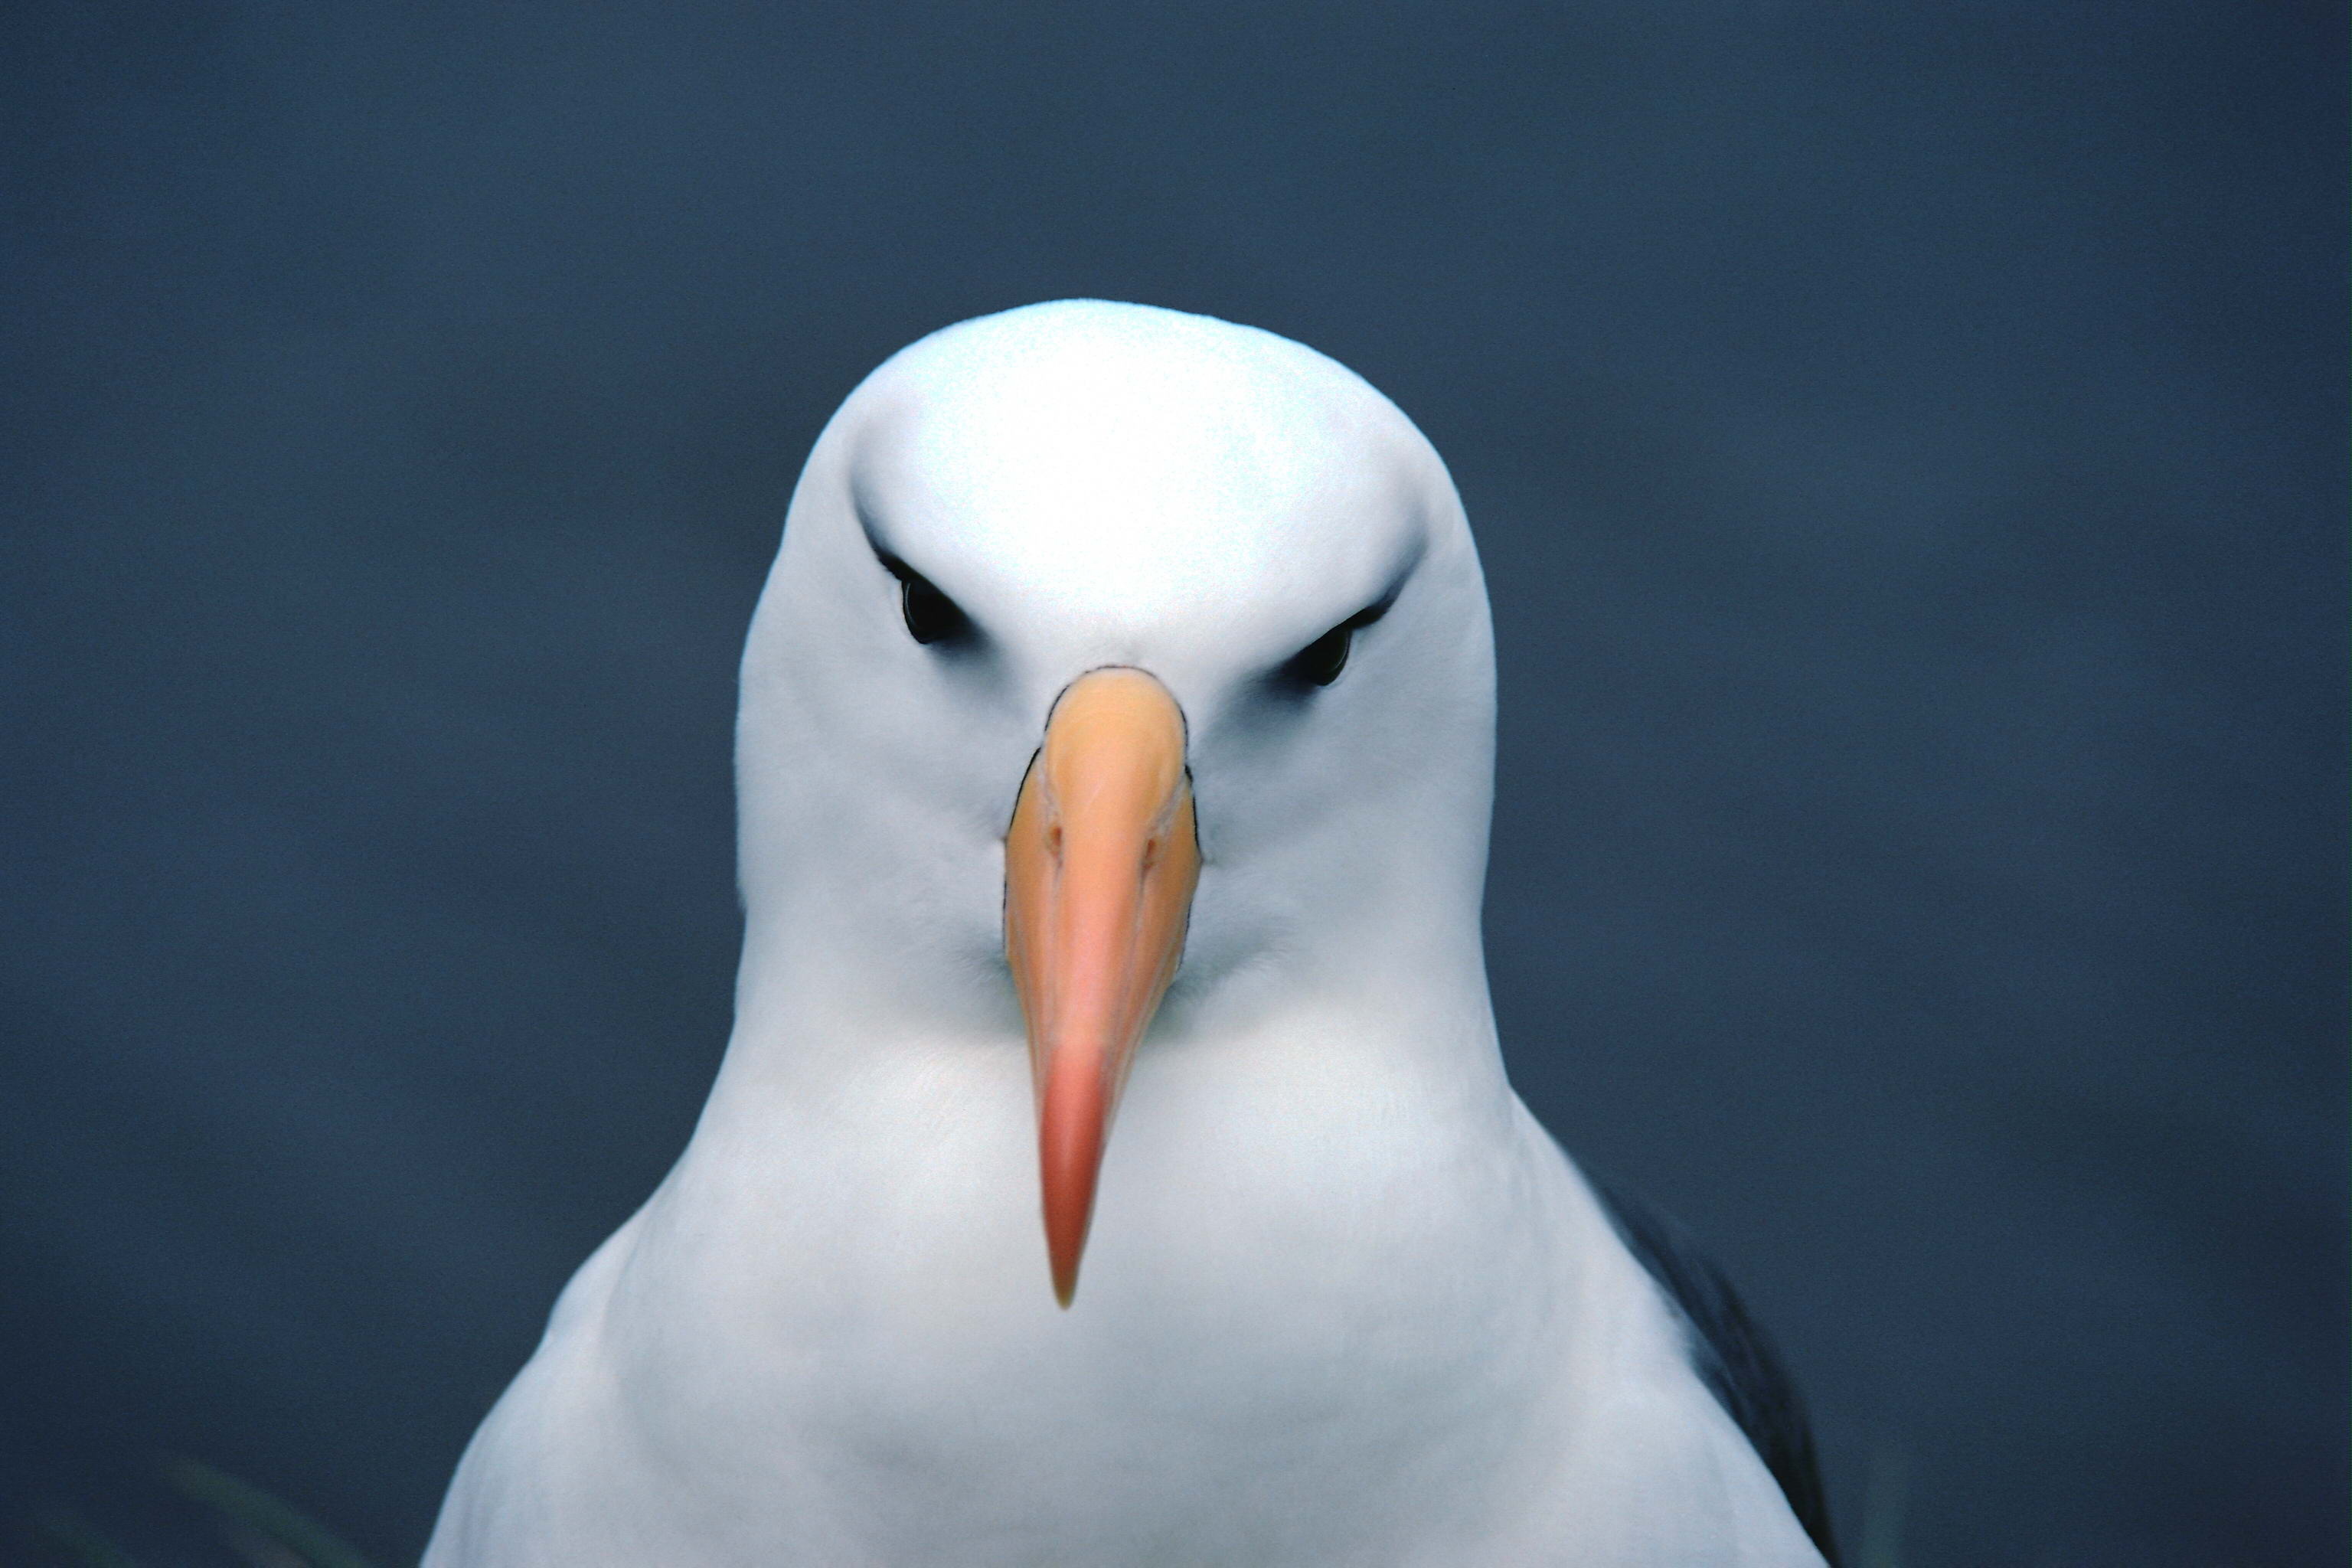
<point>1344,1301</point>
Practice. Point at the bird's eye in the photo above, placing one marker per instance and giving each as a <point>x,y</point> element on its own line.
<point>931,616</point>
<point>1320,661</point>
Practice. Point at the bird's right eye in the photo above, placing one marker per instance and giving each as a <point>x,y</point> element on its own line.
<point>931,616</point>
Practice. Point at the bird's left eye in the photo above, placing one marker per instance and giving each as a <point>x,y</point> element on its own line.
<point>1320,661</point>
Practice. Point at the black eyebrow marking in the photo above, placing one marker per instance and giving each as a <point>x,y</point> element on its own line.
<point>932,618</point>
<point>1322,661</point>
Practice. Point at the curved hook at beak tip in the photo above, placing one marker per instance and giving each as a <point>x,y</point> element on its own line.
<point>1101,864</point>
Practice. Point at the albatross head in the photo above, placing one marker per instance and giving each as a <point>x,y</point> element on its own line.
<point>1111,649</point>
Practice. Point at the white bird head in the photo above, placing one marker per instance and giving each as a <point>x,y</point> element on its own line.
<point>1077,604</point>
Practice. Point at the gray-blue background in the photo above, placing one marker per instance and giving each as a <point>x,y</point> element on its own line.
<point>1908,446</point>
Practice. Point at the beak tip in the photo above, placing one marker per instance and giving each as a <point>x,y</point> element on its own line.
<point>1063,1254</point>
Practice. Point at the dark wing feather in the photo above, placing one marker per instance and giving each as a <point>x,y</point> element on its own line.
<point>1730,1353</point>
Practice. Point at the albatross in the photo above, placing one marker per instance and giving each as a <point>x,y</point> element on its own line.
<point>1113,1161</point>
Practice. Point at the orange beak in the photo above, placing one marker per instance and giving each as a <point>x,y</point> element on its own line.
<point>1100,868</point>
